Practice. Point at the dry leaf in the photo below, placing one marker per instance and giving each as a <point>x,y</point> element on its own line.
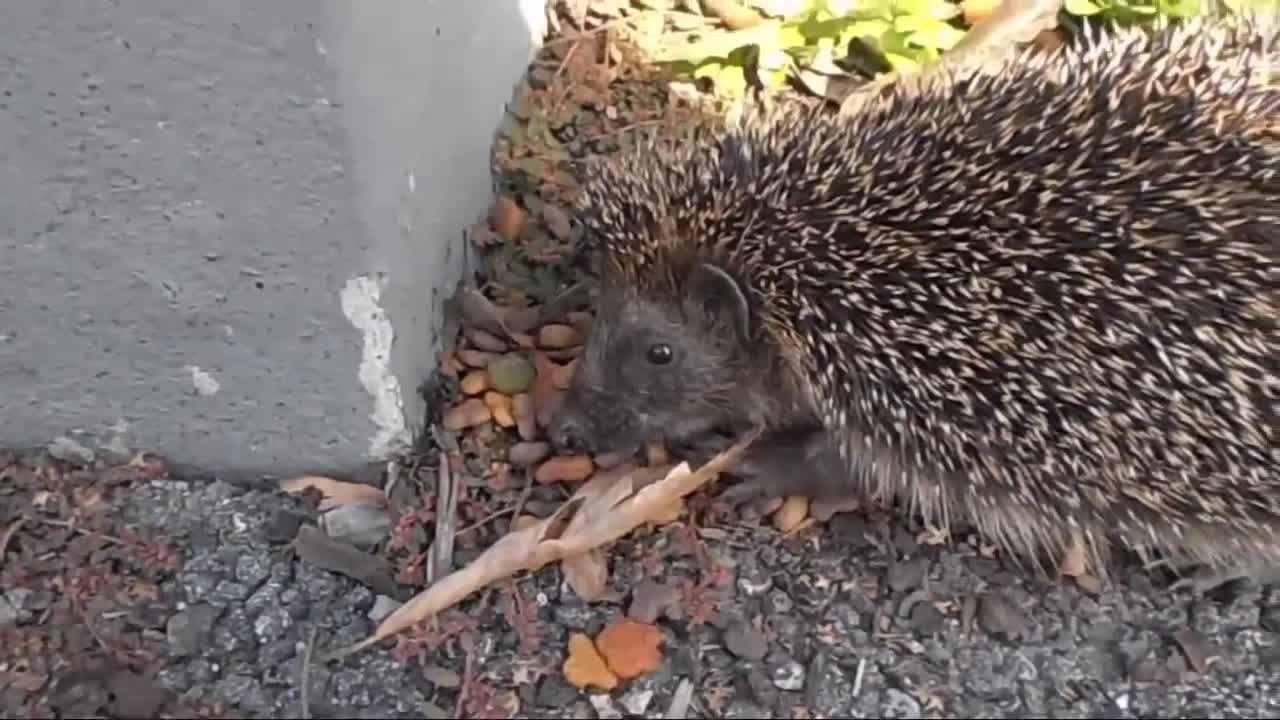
<point>630,647</point>
<point>336,493</point>
<point>545,395</point>
<point>522,522</point>
<point>478,311</point>
<point>474,382</point>
<point>655,453</point>
<point>507,218</point>
<point>587,574</point>
<point>476,358</point>
<point>584,667</point>
<point>485,340</point>
<point>7,536</point>
<point>975,11</point>
<point>670,514</point>
<point>469,413</point>
<point>569,468</point>
<point>603,509</point>
<point>792,512</point>
<point>1075,561</point>
<point>500,406</point>
<point>526,419</point>
<point>557,337</point>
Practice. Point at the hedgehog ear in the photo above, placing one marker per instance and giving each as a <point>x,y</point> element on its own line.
<point>721,296</point>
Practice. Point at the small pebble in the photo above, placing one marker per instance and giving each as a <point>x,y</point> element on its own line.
<point>1000,617</point>
<point>745,641</point>
<point>441,677</point>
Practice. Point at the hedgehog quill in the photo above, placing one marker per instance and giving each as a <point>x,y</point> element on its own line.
<point>1043,300</point>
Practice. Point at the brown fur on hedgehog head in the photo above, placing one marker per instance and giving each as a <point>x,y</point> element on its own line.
<point>677,351</point>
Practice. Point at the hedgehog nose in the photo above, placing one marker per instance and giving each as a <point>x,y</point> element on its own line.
<point>566,434</point>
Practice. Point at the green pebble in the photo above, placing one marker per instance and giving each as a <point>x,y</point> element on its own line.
<point>511,374</point>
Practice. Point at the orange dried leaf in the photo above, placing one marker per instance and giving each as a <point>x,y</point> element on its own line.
<point>630,647</point>
<point>500,406</point>
<point>557,337</point>
<point>585,667</point>
<point>468,414</point>
<point>336,493</point>
<point>474,382</point>
<point>507,218</point>
<point>570,468</point>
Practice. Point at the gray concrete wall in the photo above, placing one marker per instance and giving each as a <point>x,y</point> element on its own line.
<point>227,228</point>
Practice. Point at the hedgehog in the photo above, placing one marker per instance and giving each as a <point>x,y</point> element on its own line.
<point>1041,300</point>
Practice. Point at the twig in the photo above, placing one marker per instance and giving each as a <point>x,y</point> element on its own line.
<point>446,523</point>
<point>9,533</point>
<point>625,128</point>
<point>584,34</point>
<point>306,673</point>
<point>76,528</point>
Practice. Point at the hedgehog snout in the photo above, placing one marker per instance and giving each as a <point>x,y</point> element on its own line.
<point>568,431</point>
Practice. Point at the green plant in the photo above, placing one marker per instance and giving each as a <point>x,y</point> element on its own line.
<point>902,34</point>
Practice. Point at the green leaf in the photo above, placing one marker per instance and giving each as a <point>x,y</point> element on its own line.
<point>1081,7</point>
<point>696,45</point>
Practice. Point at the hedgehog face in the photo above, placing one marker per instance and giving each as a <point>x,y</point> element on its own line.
<point>656,369</point>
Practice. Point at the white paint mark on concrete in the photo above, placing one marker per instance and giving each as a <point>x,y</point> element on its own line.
<point>118,444</point>
<point>68,450</point>
<point>413,182</point>
<point>360,299</point>
<point>204,383</point>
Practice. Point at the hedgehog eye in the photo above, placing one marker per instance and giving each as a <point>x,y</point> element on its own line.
<point>660,354</point>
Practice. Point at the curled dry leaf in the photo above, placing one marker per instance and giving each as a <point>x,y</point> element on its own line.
<point>500,407</point>
<point>584,667</point>
<point>568,468</point>
<point>587,574</point>
<point>521,320</point>
<point>479,312</point>
<point>467,414</point>
<point>485,340</point>
<point>603,509</point>
<point>975,11</point>
<point>655,453</point>
<point>671,514</point>
<point>507,218</point>
<point>545,395</point>
<point>474,382</point>
<point>792,512</point>
<point>630,647</point>
<point>336,493</point>
<point>557,337</point>
<point>526,419</point>
<point>476,358</point>
<point>522,522</point>
<point>1075,565</point>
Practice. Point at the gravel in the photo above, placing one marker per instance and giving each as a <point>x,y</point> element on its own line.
<point>827,621</point>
